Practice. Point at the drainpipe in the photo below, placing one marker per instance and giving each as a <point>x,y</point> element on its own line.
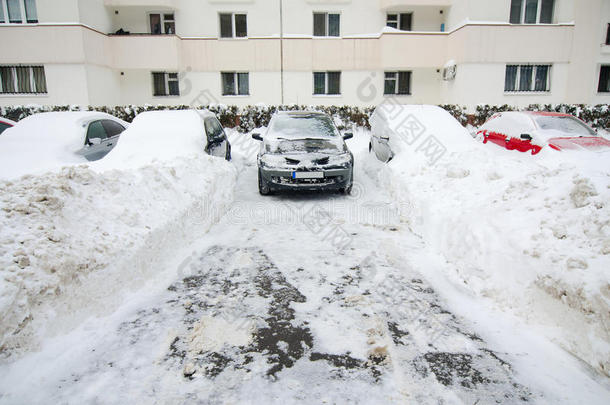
<point>281,53</point>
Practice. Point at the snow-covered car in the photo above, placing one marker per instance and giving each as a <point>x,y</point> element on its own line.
<point>415,128</point>
<point>303,150</point>
<point>527,131</point>
<point>156,136</point>
<point>47,141</point>
<point>5,124</point>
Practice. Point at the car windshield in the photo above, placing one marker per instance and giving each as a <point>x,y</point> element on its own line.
<point>302,126</point>
<point>569,125</point>
<point>329,146</point>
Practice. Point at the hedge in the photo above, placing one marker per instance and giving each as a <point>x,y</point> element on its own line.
<point>247,118</point>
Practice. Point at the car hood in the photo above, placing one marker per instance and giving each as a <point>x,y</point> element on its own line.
<point>591,143</point>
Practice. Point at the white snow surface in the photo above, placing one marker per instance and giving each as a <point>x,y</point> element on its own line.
<point>45,142</point>
<point>72,241</point>
<point>532,233</point>
<point>119,286</point>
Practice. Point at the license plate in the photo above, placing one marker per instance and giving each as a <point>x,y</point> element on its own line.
<point>307,175</point>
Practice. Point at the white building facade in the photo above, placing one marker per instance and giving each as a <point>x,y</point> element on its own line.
<point>339,52</point>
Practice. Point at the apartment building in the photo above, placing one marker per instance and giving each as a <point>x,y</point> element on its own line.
<point>355,52</point>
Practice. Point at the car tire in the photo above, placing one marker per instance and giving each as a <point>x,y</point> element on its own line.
<point>263,187</point>
<point>347,190</point>
<point>228,153</point>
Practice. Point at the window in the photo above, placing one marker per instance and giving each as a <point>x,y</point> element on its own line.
<point>162,23</point>
<point>112,128</point>
<point>531,11</point>
<point>527,78</point>
<point>214,130</point>
<point>15,10</point>
<point>235,83</point>
<point>326,83</point>
<point>326,25</point>
<point>604,80</point>
<point>96,130</point>
<point>233,25</point>
<point>397,83</point>
<point>401,21</point>
<point>22,80</point>
<point>165,84</point>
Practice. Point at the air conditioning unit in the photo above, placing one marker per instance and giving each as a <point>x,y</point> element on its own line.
<point>449,70</point>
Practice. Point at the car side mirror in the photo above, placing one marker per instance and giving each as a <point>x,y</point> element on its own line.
<point>526,137</point>
<point>348,135</point>
<point>257,136</point>
<point>95,141</point>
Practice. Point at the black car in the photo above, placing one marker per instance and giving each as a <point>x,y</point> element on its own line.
<point>303,150</point>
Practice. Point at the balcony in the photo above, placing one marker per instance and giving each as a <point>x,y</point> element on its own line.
<point>474,43</point>
<point>145,52</point>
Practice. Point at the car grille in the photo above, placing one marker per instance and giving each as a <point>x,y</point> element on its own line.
<point>290,180</point>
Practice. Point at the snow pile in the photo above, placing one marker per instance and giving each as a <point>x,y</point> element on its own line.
<point>530,232</point>
<point>45,142</point>
<point>72,242</point>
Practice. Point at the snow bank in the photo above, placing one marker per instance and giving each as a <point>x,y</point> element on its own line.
<point>44,142</point>
<point>73,242</point>
<point>530,232</point>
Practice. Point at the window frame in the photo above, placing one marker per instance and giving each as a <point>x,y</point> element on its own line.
<point>538,13</point>
<point>162,21</point>
<point>236,82</point>
<point>326,83</point>
<point>599,78</point>
<point>22,12</point>
<point>399,15</point>
<point>166,82</point>
<point>327,24</point>
<point>532,88</point>
<point>31,78</point>
<point>233,15</point>
<point>397,81</point>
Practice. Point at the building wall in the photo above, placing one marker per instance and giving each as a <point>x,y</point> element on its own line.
<point>103,69</point>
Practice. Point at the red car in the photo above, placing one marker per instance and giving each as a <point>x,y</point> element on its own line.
<point>5,123</point>
<point>532,130</point>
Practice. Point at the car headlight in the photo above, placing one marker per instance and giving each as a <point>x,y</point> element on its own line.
<point>269,160</point>
<point>342,159</point>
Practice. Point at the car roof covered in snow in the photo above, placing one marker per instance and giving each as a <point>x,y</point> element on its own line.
<point>158,136</point>
<point>296,125</point>
<point>45,142</point>
<point>301,113</point>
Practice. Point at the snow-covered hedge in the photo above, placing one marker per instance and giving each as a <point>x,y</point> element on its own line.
<point>247,118</point>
